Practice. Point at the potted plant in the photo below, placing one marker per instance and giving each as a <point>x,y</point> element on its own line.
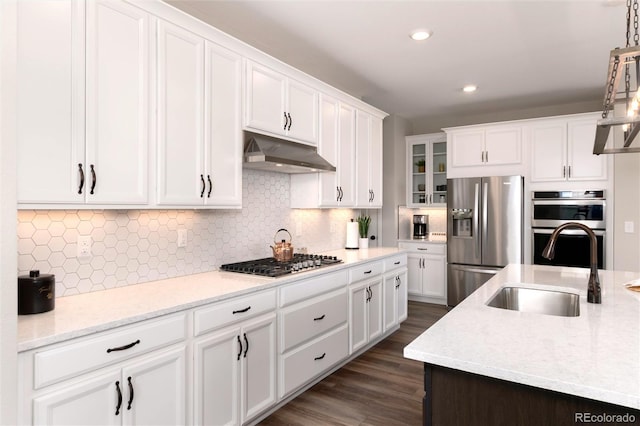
<point>420,164</point>
<point>363,230</point>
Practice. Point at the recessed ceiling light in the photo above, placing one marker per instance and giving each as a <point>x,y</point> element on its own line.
<point>420,35</point>
<point>469,88</point>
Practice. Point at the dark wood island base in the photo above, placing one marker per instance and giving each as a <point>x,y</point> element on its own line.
<point>454,397</point>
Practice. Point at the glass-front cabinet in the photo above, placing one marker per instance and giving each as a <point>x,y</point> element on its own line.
<point>426,170</point>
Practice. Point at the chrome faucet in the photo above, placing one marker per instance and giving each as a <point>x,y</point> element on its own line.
<point>594,293</point>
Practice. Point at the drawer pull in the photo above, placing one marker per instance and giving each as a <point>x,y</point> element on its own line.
<point>123,348</point>
<point>367,272</point>
<point>319,318</point>
<point>246,343</point>
<point>396,263</point>
<point>242,310</point>
<point>239,349</point>
<point>130,393</point>
<point>422,248</point>
<point>320,357</point>
<point>119,398</point>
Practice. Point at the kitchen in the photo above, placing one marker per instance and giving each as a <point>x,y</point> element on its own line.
<point>235,238</point>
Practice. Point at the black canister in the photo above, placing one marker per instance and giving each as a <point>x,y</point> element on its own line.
<point>36,293</point>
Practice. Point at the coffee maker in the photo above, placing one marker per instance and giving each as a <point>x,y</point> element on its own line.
<point>420,226</point>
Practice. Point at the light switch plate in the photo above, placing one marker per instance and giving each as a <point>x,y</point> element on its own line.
<point>182,237</point>
<point>628,227</point>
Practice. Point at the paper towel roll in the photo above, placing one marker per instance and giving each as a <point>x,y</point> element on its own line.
<point>352,235</point>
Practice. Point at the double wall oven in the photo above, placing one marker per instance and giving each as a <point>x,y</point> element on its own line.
<point>553,208</point>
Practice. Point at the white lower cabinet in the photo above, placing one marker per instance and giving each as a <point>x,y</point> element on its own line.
<point>365,319</point>
<point>234,372</point>
<point>139,382</point>
<point>427,265</point>
<point>150,391</point>
<point>395,298</point>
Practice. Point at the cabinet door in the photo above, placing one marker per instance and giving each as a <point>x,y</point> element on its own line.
<point>347,155</point>
<point>155,390</point>
<point>437,172</point>
<point>217,378</point>
<point>91,401</point>
<point>180,174</point>
<point>375,308</point>
<point>503,145</point>
<point>584,165</point>
<point>390,296</point>
<point>302,112</point>
<point>417,176</point>
<point>265,103</point>
<point>375,163</point>
<point>363,158</point>
<point>466,148</point>
<point>259,366</point>
<point>434,283</point>
<point>50,107</point>
<point>414,267</point>
<point>401,297</point>
<point>358,316</point>
<point>223,135</point>
<point>328,148</point>
<point>548,152</point>
<point>117,102</point>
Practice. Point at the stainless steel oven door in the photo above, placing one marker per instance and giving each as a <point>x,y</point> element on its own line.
<point>572,248</point>
<point>552,213</point>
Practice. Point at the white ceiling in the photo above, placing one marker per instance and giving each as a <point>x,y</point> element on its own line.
<point>521,54</point>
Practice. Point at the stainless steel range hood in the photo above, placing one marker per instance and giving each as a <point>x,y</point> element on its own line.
<point>279,155</point>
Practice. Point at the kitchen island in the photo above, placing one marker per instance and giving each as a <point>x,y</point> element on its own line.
<point>489,365</point>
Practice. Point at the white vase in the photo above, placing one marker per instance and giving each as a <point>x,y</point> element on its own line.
<point>363,243</point>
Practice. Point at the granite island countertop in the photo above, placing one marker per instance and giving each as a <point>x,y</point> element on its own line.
<point>595,355</point>
<point>84,314</point>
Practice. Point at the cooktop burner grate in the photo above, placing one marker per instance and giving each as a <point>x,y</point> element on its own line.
<point>270,267</point>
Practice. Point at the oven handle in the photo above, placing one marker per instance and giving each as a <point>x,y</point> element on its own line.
<point>588,202</point>
<point>598,232</point>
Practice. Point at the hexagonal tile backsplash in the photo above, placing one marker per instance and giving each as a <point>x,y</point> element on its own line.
<point>135,246</point>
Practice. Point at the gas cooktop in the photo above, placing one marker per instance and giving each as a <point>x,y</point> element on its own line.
<point>270,267</point>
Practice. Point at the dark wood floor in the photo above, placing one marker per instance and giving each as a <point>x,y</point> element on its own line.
<point>380,387</point>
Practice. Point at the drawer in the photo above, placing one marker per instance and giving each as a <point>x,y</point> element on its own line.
<point>308,320</point>
<point>395,262</point>
<point>424,247</point>
<point>88,354</point>
<point>307,362</point>
<point>308,288</point>
<point>367,270</point>
<point>224,313</point>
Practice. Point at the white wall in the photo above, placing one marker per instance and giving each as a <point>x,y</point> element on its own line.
<point>8,289</point>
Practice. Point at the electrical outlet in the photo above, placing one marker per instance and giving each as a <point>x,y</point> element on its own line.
<point>83,246</point>
<point>299,228</point>
<point>333,228</point>
<point>182,237</point>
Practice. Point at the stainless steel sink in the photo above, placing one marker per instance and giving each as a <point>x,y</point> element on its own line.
<point>537,301</point>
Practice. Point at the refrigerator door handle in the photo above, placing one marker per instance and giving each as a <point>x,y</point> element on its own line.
<point>476,216</point>
<point>485,211</point>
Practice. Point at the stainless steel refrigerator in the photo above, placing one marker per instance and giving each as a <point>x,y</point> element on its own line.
<point>484,231</point>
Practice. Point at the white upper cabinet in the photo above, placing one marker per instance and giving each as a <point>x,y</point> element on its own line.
<point>368,161</point>
<point>117,102</point>
<point>83,104</point>
<point>199,137</point>
<point>562,150</point>
<point>279,105</point>
<point>493,145</point>
<point>426,170</point>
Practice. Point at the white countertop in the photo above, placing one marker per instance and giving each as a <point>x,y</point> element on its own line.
<point>80,315</point>
<point>595,355</point>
